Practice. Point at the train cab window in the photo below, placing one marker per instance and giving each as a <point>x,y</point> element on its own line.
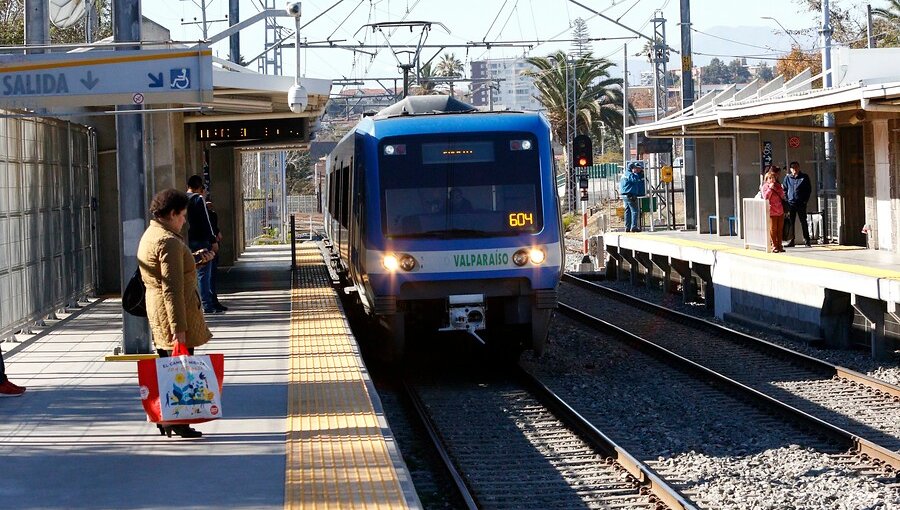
<point>472,185</point>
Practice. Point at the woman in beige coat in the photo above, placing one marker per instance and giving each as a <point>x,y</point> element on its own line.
<point>170,276</point>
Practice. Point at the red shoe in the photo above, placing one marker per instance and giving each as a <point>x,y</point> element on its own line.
<point>8,389</point>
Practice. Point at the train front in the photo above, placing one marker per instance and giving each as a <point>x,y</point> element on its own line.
<point>464,230</point>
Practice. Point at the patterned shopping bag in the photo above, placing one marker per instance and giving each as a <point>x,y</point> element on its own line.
<point>182,388</point>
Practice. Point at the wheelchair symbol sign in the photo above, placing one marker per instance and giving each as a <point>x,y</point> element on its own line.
<point>180,78</point>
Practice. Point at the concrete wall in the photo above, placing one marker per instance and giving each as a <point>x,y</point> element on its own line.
<point>224,172</point>
<point>164,156</point>
<point>706,182</point>
<point>724,198</point>
<point>787,295</point>
<point>882,183</point>
<point>165,152</point>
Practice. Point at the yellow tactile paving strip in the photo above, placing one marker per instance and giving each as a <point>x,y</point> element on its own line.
<point>337,456</point>
<point>874,272</point>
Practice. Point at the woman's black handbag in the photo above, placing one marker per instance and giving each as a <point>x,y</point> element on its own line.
<point>133,297</point>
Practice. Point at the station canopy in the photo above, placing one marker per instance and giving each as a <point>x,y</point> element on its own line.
<point>861,83</point>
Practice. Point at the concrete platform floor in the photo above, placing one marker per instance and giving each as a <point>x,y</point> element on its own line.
<point>79,438</point>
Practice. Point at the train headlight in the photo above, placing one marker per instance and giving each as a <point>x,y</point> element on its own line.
<point>395,150</point>
<point>390,263</point>
<point>407,262</point>
<point>403,261</point>
<point>537,256</point>
<point>520,258</point>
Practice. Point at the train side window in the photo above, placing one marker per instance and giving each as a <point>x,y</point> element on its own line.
<point>332,196</point>
<point>345,198</point>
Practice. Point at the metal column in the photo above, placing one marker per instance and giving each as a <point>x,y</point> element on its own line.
<point>37,24</point>
<point>234,40</point>
<point>687,99</point>
<point>131,179</point>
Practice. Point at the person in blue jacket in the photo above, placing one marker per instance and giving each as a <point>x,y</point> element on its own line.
<point>631,187</point>
<point>797,189</point>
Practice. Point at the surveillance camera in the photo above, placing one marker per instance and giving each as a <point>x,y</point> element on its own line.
<point>297,98</point>
<point>293,8</point>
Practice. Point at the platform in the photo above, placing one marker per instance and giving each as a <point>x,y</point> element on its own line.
<point>805,289</point>
<point>78,438</point>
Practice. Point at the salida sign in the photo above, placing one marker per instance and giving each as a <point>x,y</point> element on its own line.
<point>47,83</point>
<point>101,78</point>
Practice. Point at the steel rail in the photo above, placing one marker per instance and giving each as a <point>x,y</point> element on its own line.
<point>571,418</point>
<point>427,422</point>
<point>850,440</point>
<point>738,337</point>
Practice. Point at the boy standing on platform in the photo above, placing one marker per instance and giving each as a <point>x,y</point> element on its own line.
<point>797,189</point>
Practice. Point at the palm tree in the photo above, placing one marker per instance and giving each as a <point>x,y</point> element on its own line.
<point>449,66</point>
<point>424,81</point>
<point>890,17</point>
<point>598,97</point>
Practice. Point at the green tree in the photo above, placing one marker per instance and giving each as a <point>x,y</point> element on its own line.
<point>848,22</point>
<point>449,66</point>
<point>299,174</point>
<point>738,72</point>
<point>424,83</point>
<point>598,97</point>
<point>716,73</point>
<point>887,22</point>
<point>581,44</point>
<point>12,24</point>
<point>765,72</point>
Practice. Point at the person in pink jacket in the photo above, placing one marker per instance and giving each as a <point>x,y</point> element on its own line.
<point>774,193</point>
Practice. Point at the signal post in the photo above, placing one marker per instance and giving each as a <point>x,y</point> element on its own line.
<point>583,153</point>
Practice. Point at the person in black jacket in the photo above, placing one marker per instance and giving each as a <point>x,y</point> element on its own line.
<point>201,237</point>
<point>214,263</point>
<point>797,189</point>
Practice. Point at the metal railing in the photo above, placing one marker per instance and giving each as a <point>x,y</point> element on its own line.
<point>756,223</point>
<point>48,246</point>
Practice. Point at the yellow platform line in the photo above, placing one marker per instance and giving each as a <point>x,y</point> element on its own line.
<point>873,272</point>
<point>336,453</point>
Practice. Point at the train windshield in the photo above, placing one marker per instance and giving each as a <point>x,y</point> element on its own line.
<point>452,186</point>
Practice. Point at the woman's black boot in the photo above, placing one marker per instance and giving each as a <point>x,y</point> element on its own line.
<point>185,431</point>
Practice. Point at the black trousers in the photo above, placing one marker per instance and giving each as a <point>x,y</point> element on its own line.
<point>793,212</point>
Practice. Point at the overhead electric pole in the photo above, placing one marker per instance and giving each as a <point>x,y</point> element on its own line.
<point>131,179</point>
<point>687,99</point>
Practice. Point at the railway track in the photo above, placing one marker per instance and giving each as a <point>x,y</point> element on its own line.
<point>861,408</point>
<point>720,443</point>
<point>509,442</point>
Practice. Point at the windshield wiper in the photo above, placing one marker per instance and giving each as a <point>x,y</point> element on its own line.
<point>445,234</point>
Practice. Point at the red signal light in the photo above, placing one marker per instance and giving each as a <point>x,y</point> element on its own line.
<point>582,162</point>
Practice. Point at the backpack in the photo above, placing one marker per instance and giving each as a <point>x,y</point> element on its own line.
<point>133,297</point>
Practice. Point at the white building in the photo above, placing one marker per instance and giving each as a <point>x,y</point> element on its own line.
<point>511,91</point>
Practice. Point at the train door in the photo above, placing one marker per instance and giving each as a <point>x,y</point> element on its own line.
<point>358,216</point>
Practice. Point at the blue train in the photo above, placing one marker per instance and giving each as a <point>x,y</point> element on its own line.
<point>444,218</point>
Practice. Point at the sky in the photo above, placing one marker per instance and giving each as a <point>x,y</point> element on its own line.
<point>723,28</point>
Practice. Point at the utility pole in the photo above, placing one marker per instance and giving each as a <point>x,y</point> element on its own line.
<point>626,145</point>
<point>828,121</point>
<point>37,24</point>
<point>131,180</point>
<point>687,99</point>
<point>234,41</point>
<point>204,23</point>
<point>870,36</point>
